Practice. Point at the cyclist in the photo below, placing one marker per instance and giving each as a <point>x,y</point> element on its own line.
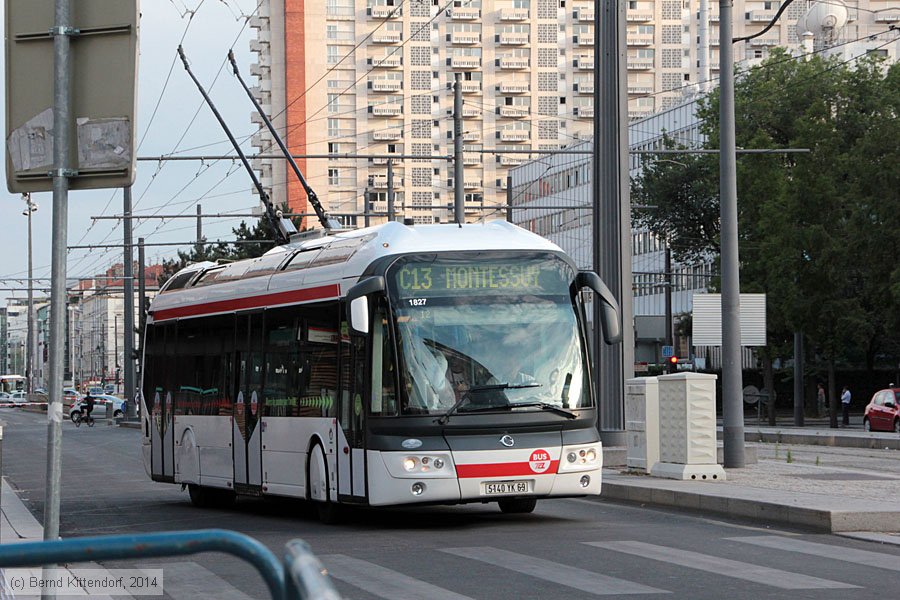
<point>88,403</point>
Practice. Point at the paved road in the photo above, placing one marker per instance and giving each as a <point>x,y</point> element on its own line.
<point>572,549</point>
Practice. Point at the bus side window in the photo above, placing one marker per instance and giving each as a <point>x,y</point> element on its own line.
<point>384,392</point>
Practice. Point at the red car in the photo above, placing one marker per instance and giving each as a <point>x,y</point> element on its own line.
<point>883,411</point>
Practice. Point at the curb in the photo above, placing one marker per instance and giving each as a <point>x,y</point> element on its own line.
<point>826,438</point>
<point>812,511</point>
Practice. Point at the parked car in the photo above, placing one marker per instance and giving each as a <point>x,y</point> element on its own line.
<point>4,397</point>
<point>883,411</point>
<point>18,397</point>
<point>100,403</point>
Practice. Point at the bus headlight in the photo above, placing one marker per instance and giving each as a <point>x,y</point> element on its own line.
<point>581,458</point>
<point>409,464</point>
<point>419,465</point>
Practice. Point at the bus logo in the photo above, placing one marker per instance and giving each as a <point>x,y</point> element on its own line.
<point>508,441</point>
<point>539,461</point>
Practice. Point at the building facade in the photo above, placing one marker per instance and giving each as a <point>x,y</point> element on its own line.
<point>383,85</point>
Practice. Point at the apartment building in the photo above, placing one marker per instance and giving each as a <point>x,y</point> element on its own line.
<point>371,79</point>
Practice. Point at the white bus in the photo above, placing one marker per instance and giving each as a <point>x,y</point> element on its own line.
<point>12,383</point>
<point>384,366</point>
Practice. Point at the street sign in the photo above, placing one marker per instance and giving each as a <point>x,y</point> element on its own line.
<point>104,54</point>
<point>668,351</point>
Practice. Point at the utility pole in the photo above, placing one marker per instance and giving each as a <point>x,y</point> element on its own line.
<point>670,327</point>
<point>199,246</point>
<point>62,32</point>
<point>458,181</point>
<point>390,190</point>
<point>509,199</point>
<point>129,309</point>
<point>798,378</point>
<point>142,304</point>
<point>732,377</point>
<point>367,199</point>
<point>30,207</point>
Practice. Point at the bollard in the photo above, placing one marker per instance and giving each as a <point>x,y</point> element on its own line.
<point>109,414</point>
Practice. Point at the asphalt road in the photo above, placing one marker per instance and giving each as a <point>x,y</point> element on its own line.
<point>573,549</point>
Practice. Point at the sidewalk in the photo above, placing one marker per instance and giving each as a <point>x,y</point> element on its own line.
<point>830,480</point>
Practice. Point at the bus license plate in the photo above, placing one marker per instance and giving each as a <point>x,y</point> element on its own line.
<point>499,488</point>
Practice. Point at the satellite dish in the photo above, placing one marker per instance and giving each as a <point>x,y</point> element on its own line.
<point>824,20</point>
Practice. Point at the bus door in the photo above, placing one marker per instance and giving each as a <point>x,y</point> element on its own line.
<point>164,407</point>
<point>248,369</point>
<point>352,453</point>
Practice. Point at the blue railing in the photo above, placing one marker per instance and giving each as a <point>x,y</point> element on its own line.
<point>301,577</point>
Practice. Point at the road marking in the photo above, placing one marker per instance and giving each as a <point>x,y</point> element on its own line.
<point>191,581</point>
<point>852,555</point>
<point>383,582</point>
<point>723,566</point>
<point>573,577</point>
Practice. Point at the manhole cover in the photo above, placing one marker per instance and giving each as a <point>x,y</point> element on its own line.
<point>844,477</point>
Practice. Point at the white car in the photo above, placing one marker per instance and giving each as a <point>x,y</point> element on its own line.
<point>18,397</point>
<point>100,403</point>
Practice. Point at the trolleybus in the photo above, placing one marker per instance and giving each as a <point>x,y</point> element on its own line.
<point>435,364</point>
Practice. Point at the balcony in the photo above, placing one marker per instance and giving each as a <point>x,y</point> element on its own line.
<point>508,160</point>
<point>638,17</point>
<point>514,14</point>
<point>585,15</point>
<point>585,63</point>
<point>471,136</point>
<point>508,62</point>
<point>460,13</point>
<point>381,182</point>
<point>640,64</point>
<point>464,38</point>
<point>471,87</point>
<point>514,112</point>
<point>639,40</point>
<point>387,37</point>
<point>640,89</point>
<point>514,88</point>
<point>713,66</point>
<point>385,85</point>
<point>465,62</point>
<point>514,39</point>
<point>639,113</point>
<point>762,16</point>
<point>384,12</point>
<point>386,62</point>
<point>470,112</point>
<point>387,135</point>
<point>584,39</point>
<point>765,41</point>
<point>584,112</point>
<point>471,158</point>
<point>586,87</point>
<point>887,17</point>
<point>514,135</point>
<point>387,110</point>
<point>471,184</point>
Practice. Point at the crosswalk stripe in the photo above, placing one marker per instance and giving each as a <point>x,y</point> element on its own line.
<point>860,557</point>
<point>573,577</point>
<point>383,582</point>
<point>722,566</point>
<point>191,581</point>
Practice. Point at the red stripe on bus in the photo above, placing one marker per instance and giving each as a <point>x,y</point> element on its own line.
<point>502,470</point>
<point>221,306</point>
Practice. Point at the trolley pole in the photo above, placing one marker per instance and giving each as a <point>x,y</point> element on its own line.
<point>732,384</point>
<point>62,117</point>
<point>458,182</point>
<point>131,409</point>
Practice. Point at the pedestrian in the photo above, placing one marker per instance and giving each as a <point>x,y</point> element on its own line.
<point>845,406</point>
<point>820,401</point>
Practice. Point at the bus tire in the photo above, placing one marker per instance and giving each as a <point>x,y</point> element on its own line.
<point>317,485</point>
<point>207,497</point>
<point>517,505</point>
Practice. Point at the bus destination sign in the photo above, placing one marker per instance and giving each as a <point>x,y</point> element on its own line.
<point>431,279</point>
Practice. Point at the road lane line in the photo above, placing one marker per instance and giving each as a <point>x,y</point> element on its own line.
<point>192,581</point>
<point>852,555</point>
<point>383,582</point>
<point>722,566</point>
<point>573,577</point>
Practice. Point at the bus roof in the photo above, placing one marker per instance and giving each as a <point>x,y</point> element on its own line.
<point>322,268</point>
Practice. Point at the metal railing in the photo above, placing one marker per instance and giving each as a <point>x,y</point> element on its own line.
<point>299,576</point>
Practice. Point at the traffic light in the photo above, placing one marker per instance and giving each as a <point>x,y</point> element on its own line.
<point>673,360</point>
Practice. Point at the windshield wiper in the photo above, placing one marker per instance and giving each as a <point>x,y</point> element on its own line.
<point>482,388</point>
<point>547,406</point>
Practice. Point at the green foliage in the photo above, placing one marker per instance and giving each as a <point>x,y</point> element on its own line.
<point>819,231</point>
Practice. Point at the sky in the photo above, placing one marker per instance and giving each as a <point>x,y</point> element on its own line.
<point>208,29</point>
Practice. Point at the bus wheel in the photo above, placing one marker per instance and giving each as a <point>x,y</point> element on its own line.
<point>317,486</point>
<point>517,505</point>
<point>207,497</point>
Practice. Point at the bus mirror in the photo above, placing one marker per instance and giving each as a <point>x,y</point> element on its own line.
<point>358,303</point>
<point>609,308</point>
<point>359,315</point>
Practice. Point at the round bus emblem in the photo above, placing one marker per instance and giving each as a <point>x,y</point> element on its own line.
<point>539,461</point>
<point>508,441</point>
<point>254,403</point>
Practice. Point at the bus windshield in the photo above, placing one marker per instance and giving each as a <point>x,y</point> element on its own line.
<point>487,333</point>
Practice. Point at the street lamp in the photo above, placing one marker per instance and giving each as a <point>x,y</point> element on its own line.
<point>30,207</point>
